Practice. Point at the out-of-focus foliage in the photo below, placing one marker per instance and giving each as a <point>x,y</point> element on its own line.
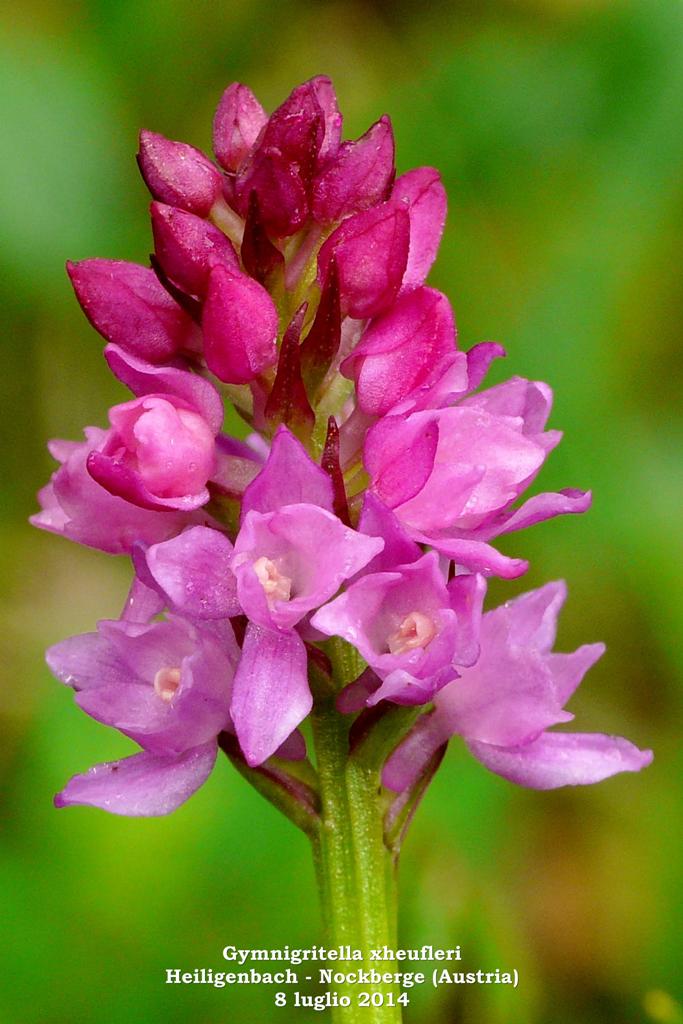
<point>557,126</point>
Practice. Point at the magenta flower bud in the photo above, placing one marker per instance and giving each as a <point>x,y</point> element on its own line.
<point>298,135</point>
<point>240,327</point>
<point>401,350</point>
<point>306,127</point>
<point>279,170</point>
<point>421,192</point>
<point>281,193</point>
<point>128,306</point>
<point>159,454</point>
<point>358,177</point>
<point>178,174</point>
<point>187,247</point>
<point>237,122</point>
<point>370,250</point>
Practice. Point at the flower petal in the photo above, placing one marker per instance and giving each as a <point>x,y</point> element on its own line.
<point>143,601</point>
<point>569,669</point>
<point>545,506</point>
<point>475,556</point>
<point>289,477</point>
<point>479,358</point>
<point>529,622</point>
<point>563,759</point>
<point>376,520</point>
<point>178,174</point>
<point>530,400</point>
<point>144,785</point>
<point>467,593</point>
<point>270,692</point>
<point>399,456</point>
<point>86,661</point>
<point>421,192</point>
<point>193,570</point>
<point>401,350</point>
<point>145,378</point>
<point>123,482</point>
<point>404,766</point>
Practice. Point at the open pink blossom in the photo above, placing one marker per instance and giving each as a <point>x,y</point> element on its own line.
<point>452,475</point>
<point>291,561</point>
<point>504,705</point>
<point>166,685</point>
<point>411,627</point>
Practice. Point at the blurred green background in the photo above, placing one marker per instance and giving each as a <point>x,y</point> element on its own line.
<point>557,127</point>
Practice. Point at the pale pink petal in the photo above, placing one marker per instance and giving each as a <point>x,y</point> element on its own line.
<point>563,759</point>
<point>144,785</point>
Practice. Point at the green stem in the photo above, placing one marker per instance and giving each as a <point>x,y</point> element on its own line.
<point>355,869</point>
